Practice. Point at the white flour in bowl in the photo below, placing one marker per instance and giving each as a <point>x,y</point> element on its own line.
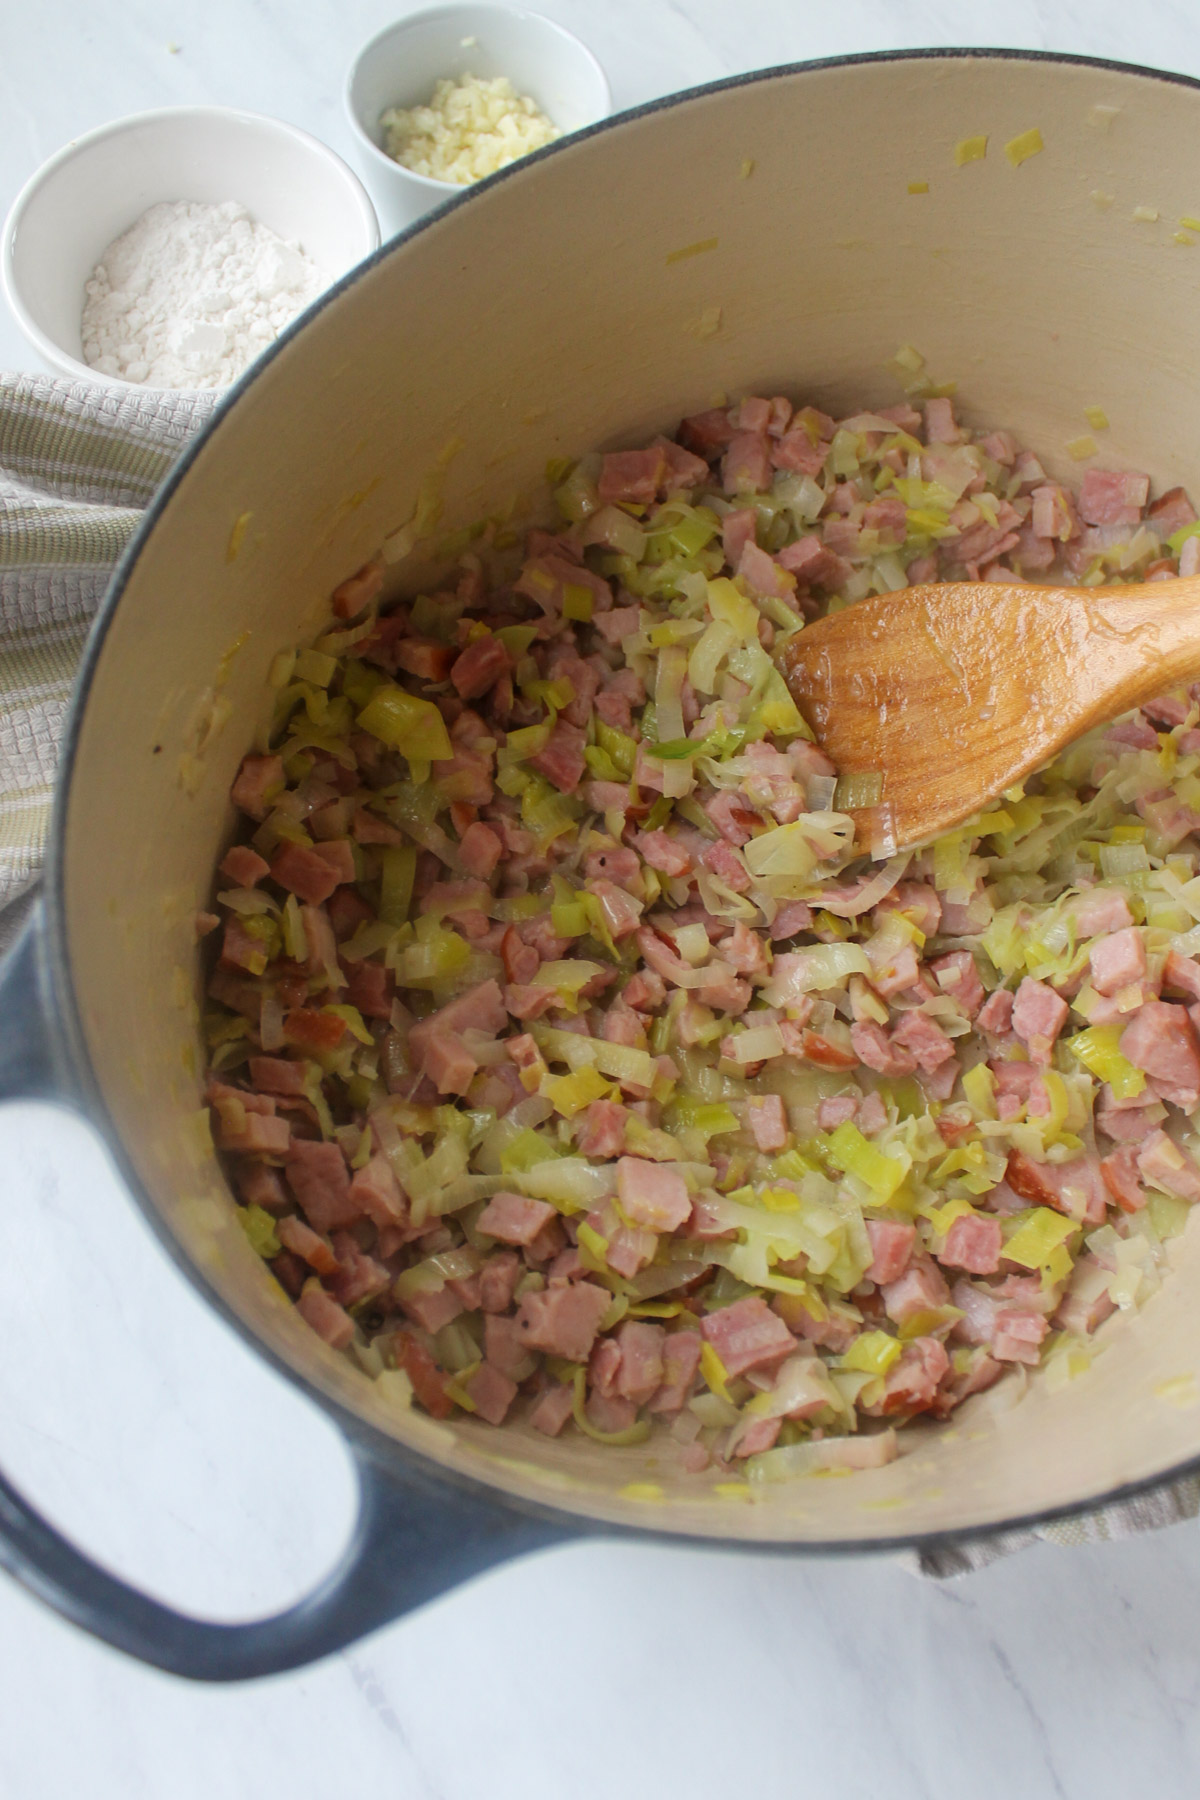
<point>191,294</point>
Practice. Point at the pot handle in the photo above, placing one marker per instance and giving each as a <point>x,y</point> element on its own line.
<point>414,1539</point>
<point>417,1534</point>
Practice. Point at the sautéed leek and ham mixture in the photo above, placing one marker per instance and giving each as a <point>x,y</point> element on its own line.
<point>573,1064</point>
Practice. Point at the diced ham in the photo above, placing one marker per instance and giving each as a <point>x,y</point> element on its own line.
<point>891,1248</point>
<point>633,476</point>
<point>553,1409</point>
<point>513,1218</point>
<point>424,657</point>
<point>768,1122</point>
<point>663,852</point>
<point>631,1249</point>
<point>1054,513</point>
<point>603,1129</point>
<point>610,1413</point>
<point>306,872</point>
<point>1100,912</point>
<point>504,1347</point>
<point>683,469</point>
<point>753,1438</point>
<point>737,530</point>
<point>259,779</point>
<point>1164,1165</point>
<point>753,413</point>
<point>1122,1179</point>
<point>491,1392</point>
<point>1134,732</point>
<point>973,1244</point>
<point>979,1307</point>
<point>563,1321</point>
<point>1172,511</point>
<point>448,1063</point>
<point>1128,1121</point>
<point>618,623</point>
<point>1113,497</point>
<point>369,987</point>
<point>872,1115</point>
<point>893,969</point>
<point>481,1008</point>
<point>308,1029</point>
<point>995,1015</point>
<point>308,1244</point>
<point>318,1177</point>
<point>920,1289</point>
<point>1117,960</point>
<point>622,913</point>
<point>323,1313</point>
<point>642,1367</point>
<point>277,1075</point>
<point>707,432</point>
<point>911,1384</point>
<point>375,1192</point>
<point>497,1281</point>
<point>561,759</point>
<point>480,849</point>
<point>433,1308</point>
<point>1075,1187</point>
<point>747,1335</point>
<point>811,562</point>
<point>1038,1016</point>
<point>925,1038</point>
<point>652,1194</point>
<point>244,866</point>
<point>1161,1040</point>
<point>835,1111</point>
<point>359,1276</point>
<point>723,861</point>
<point>1017,1335</point>
<point>429,1384</point>
<point>356,594</point>
<point>260,1185</point>
<point>763,575</point>
<point>1087,1301</point>
<point>1182,973</point>
<point>479,667</point>
<point>940,427</point>
<point>746,465</point>
<point>957,976</point>
<point>873,1047</point>
<point>681,1359</point>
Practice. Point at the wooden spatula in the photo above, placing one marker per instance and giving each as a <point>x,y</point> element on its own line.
<point>956,691</point>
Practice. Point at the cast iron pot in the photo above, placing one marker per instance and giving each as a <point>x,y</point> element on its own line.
<point>568,304</point>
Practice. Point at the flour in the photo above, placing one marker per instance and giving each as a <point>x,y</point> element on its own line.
<point>190,294</point>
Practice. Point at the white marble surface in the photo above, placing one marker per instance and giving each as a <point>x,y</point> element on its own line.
<point>146,1429</point>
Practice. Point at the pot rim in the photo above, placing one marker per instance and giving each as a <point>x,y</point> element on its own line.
<point>66,1025</point>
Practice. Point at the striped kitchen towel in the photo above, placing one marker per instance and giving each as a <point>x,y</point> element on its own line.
<point>77,465</point>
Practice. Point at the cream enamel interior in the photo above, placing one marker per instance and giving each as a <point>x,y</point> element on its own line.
<point>545,317</point>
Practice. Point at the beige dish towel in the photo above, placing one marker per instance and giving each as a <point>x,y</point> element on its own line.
<point>77,466</point>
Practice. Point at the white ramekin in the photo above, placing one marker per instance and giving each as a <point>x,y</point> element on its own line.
<point>97,186</point>
<point>400,66</point>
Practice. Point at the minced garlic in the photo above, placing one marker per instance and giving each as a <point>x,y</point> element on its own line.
<point>469,129</point>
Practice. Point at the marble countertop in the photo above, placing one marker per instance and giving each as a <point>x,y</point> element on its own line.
<point>147,1430</point>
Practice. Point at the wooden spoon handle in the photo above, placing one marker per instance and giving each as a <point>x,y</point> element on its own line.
<point>1142,640</point>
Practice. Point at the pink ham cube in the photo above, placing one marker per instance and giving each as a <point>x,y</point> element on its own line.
<point>513,1218</point>
<point>973,1244</point>
<point>652,1194</point>
<point>747,1335</point>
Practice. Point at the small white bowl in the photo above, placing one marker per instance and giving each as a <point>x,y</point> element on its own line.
<point>402,64</point>
<point>98,186</point>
